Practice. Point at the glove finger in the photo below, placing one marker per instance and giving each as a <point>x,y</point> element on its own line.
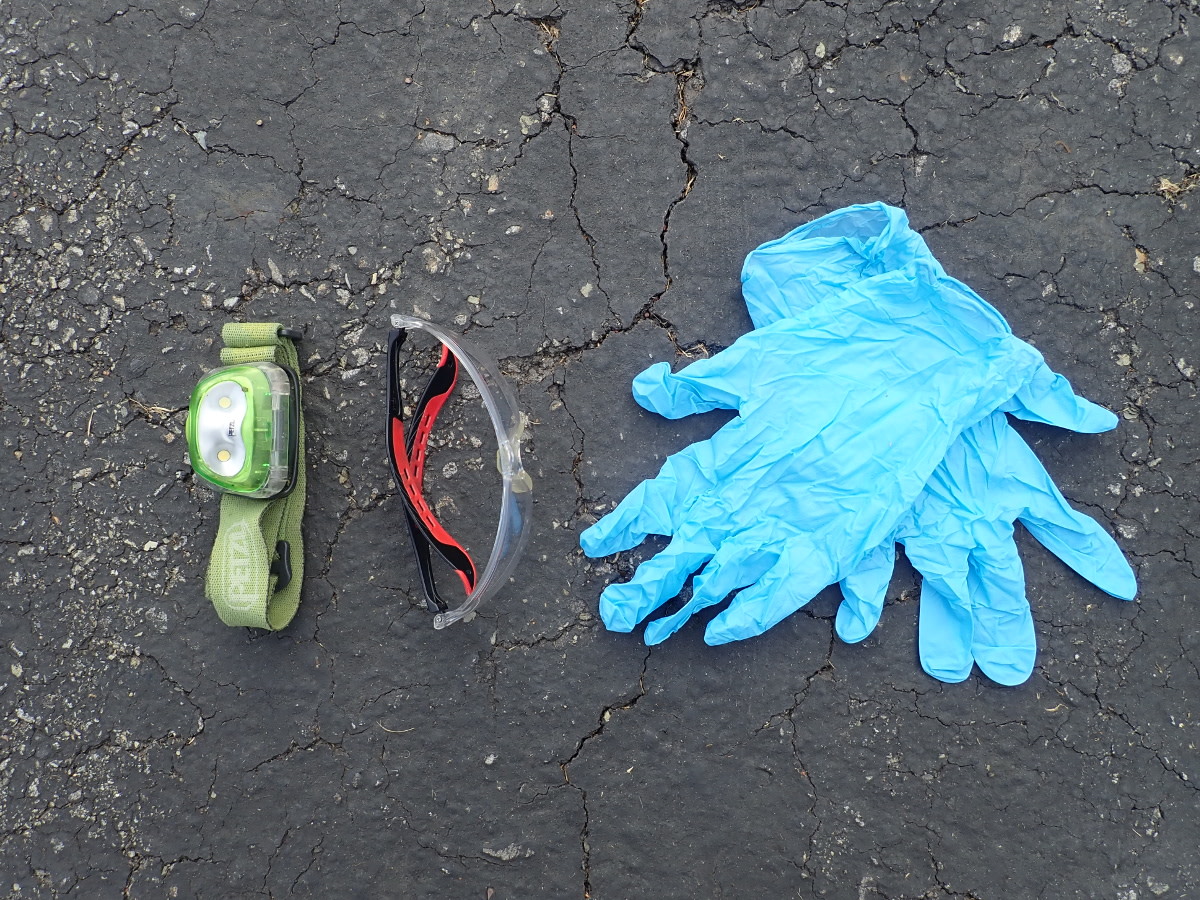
<point>944,631</point>
<point>799,574</point>
<point>944,625</point>
<point>736,564</point>
<point>1087,548</point>
<point>657,580</point>
<point>1048,397</point>
<point>1003,642</point>
<point>863,593</point>
<point>1076,539</point>
<point>653,507</point>
<point>644,511</point>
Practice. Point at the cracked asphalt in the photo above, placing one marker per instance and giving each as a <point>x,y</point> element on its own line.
<point>573,186</point>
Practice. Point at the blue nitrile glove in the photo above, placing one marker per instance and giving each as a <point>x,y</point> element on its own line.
<point>959,532</point>
<point>844,412</point>
<point>959,536</point>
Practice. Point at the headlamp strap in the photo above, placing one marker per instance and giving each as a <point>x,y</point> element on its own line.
<point>257,564</point>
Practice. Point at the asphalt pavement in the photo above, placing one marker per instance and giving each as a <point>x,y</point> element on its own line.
<point>572,186</point>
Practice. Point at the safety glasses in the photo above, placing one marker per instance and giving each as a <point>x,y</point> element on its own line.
<point>408,451</point>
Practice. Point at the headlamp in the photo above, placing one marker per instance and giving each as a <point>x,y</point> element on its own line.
<point>245,436</point>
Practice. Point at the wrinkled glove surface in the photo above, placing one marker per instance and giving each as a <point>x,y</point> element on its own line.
<point>959,533</point>
<point>844,412</point>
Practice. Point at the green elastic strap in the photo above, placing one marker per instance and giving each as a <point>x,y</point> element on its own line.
<point>241,583</point>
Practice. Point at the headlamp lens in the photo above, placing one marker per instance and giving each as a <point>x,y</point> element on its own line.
<point>242,429</point>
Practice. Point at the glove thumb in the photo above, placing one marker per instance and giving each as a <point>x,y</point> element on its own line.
<point>719,382</point>
<point>1048,397</point>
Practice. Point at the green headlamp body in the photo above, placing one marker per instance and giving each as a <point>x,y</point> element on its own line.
<point>242,429</point>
